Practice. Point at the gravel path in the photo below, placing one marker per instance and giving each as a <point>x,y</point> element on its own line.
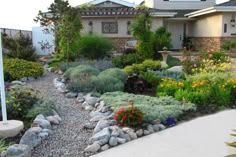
<point>69,138</point>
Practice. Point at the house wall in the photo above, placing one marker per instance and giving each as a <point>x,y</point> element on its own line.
<point>179,4</point>
<point>231,31</point>
<point>121,37</point>
<point>207,31</point>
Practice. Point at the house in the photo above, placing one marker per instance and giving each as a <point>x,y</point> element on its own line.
<point>207,24</point>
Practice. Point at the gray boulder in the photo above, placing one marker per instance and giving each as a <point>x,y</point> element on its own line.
<point>132,135</point>
<point>121,140</point>
<point>150,129</point>
<point>146,132</point>
<point>93,148</point>
<point>101,125</point>
<point>36,129</point>
<point>71,95</point>
<point>89,126</point>
<point>17,83</point>
<point>53,120</point>
<point>43,123</point>
<point>43,135</point>
<point>113,141</point>
<point>156,127</point>
<point>105,147</point>
<point>31,139</point>
<point>18,150</point>
<point>91,100</point>
<point>125,136</point>
<point>103,135</point>
<point>139,132</point>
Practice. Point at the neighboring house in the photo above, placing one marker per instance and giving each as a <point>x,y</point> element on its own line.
<point>15,32</point>
<point>208,24</point>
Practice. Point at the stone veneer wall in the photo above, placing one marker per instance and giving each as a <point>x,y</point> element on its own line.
<point>119,42</point>
<point>203,43</point>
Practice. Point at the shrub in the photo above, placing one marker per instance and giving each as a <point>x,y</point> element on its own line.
<point>19,100</point>
<point>85,78</point>
<point>3,145</point>
<point>20,47</point>
<point>131,116</point>
<point>169,87</point>
<point>150,77</point>
<point>172,61</point>
<point>44,107</point>
<point>94,47</point>
<point>128,59</point>
<point>169,74</point>
<point>110,80</point>
<point>16,69</point>
<point>142,67</point>
<point>101,64</point>
<point>80,78</point>
<point>152,107</point>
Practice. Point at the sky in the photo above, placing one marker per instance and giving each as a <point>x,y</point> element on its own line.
<point>19,14</point>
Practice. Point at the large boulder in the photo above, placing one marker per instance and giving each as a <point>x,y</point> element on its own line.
<point>31,138</point>
<point>18,150</point>
<point>103,135</point>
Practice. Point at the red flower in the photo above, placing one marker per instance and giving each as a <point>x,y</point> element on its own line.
<point>210,55</point>
<point>115,117</point>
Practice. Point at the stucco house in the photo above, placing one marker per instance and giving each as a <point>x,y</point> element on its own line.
<point>207,24</point>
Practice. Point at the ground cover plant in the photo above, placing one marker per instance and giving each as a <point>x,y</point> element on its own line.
<point>153,108</point>
<point>84,78</point>
<point>15,69</point>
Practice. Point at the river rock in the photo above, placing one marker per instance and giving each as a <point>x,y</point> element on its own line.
<point>18,150</point>
<point>101,125</point>
<point>93,148</point>
<point>139,132</point>
<point>30,138</point>
<point>105,147</point>
<point>121,140</point>
<point>103,135</point>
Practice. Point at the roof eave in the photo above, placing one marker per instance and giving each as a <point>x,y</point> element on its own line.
<point>211,10</point>
<point>163,14</point>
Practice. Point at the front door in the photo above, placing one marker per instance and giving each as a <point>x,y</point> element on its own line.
<point>177,32</point>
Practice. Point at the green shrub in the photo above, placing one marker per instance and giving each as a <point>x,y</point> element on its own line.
<point>169,87</point>
<point>85,78</point>
<point>169,74</point>
<point>80,70</point>
<point>128,59</point>
<point>101,64</point>
<point>152,107</point>
<point>81,78</point>
<point>150,77</point>
<point>16,69</point>
<point>110,80</point>
<point>212,77</point>
<point>94,47</point>
<point>44,107</point>
<point>20,47</point>
<point>19,100</point>
<point>197,97</point>
<point>173,61</point>
<point>3,145</point>
<point>131,116</point>
<point>142,67</point>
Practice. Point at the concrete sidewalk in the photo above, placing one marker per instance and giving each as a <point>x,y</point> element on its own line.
<point>201,137</point>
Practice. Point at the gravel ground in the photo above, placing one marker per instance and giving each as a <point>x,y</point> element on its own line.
<point>69,138</point>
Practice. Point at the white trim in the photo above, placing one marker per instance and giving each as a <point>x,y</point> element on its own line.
<point>211,10</point>
<point>121,2</point>
<point>163,14</point>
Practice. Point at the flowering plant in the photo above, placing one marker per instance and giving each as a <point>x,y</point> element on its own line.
<point>130,116</point>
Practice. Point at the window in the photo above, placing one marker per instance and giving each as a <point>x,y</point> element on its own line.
<point>109,27</point>
<point>128,27</point>
<point>90,27</point>
<point>225,28</point>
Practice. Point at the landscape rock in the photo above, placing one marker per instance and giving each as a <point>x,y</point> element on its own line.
<point>3,153</point>
<point>157,121</point>
<point>132,135</point>
<point>91,100</point>
<point>150,129</point>
<point>71,95</point>
<point>93,148</point>
<point>43,135</point>
<point>125,136</point>
<point>18,150</point>
<point>40,116</point>
<point>161,126</point>
<point>175,69</point>
<point>146,132</point>
<point>101,125</point>
<point>97,105</point>
<point>89,126</point>
<point>53,120</point>
<point>127,129</point>
<point>58,117</point>
<point>17,83</point>
<point>139,132</point>
<point>103,135</point>
<point>80,99</point>
<point>43,123</point>
<point>97,118</point>
<point>116,131</point>
<point>30,138</point>
<point>48,131</point>
<point>121,140</point>
<point>113,141</point>
<point>88,108</point>
<point>36,129</point>
<point>105,147</point>
<point>156,127</point>
<point>105,109</point>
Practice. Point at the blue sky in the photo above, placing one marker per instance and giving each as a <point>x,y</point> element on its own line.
<point>19,14</point>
